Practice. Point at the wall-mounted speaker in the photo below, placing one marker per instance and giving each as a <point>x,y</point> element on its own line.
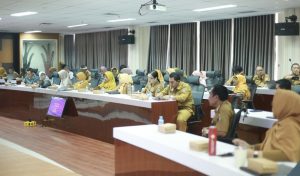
<point>287,28</point>
<point>126,39</point>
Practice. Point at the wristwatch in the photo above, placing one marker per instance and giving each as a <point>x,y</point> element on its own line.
<point>257,154</point>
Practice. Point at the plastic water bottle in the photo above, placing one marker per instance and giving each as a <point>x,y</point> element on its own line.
<point>160,120</point>
<point>129,91</point>
<point>149,95</point>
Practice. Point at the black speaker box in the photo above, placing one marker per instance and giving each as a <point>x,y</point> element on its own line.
<point>126,39</point>
<point>287,29</point>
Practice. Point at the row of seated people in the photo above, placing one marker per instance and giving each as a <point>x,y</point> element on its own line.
<point>277,143</point>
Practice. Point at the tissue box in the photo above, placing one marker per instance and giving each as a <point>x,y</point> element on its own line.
<point>167,128</point>
<point>199,145</point>
<point>82,90</point>
<point>98,91</point>
<point>262,165</point>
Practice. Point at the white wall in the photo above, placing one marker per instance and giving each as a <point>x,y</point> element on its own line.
<point>138,52</point>
<point>288,46</point>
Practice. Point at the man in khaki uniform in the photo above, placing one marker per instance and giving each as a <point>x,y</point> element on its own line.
<point>223,111</point>
<point>182,93</point>
<point>294,77</point>
<point>261,78</point>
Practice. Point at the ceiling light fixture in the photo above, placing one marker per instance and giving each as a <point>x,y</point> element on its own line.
<point>215,8</point>
<point>30,32</point>
<point>121,20</point>
<point>77,25</point>
<point>23,14</point>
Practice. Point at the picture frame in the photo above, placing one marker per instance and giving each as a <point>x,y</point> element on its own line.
<point>38,54</point>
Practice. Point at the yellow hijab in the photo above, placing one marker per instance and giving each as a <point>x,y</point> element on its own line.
<point>241,86</point>
<point>160,77</point>
<point>124,80</point>
<point>82,83</point>
<point>109,83</point>
<point>2,72</point>
<point>285,134</point>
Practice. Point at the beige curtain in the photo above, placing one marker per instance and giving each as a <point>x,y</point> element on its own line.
<point>183,43</point>
<point>254,43</point>
<point>215,43</point>
<point>100,48</point>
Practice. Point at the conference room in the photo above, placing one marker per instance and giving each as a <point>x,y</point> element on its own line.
<point>89,87</point>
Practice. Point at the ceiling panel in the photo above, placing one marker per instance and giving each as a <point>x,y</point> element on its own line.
<point>95,12</point>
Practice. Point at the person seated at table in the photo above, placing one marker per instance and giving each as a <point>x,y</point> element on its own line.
<point>283,84</point>
<point>12,74</point>
<point>155,83</point>
<point>282,141</point>
<point>202,76</point>
<point>51,71</point>
<point>44,81</point>
<point>87,73</point>
<point>182,93</point>
<point>2,72</point>
<point>125,81</point>
<point>65,81</point>
<point>236,70</point>
<point>115,72</point>
<point>81,83</point>
<point>261,78</point>
<point>126,70</point>
<point>108,82</point>
<point>30,77</point>
<point>294,77</point>
<point>66,67</point>
<point>223,110</point>
<point>239,81</point>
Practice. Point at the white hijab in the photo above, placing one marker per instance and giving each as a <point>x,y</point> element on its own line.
<point>46,77</point>
<point>65,79</point>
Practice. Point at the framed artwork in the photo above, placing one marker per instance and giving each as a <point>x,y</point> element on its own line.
<point>40,54</point>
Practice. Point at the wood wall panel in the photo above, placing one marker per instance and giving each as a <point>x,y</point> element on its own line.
<point>134,161</point>
<point>90,118</point>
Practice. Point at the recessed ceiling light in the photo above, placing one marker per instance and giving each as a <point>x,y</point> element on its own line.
<point>77,25</point>
<point>0,18</point>
<point>23,14</point>
<point>30,32</point>
<point>120,20</point>
<point>215,8</point>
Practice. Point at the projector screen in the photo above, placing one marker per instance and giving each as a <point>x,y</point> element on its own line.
<point>56,107</point>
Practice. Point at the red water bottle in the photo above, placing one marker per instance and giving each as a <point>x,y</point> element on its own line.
<point>212,140</point>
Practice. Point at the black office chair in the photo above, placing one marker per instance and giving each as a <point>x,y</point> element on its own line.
<point>95,78</point>
<point>166,79</point>
<point>249,103</point>
<point>55,78</point>
<point>296,88</point>
<point>231,134</point>
<point>197,92</point>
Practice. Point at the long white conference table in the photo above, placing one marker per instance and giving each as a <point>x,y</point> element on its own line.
<point>94,115</point>
<point>85,113</point>
<point>142,150</point>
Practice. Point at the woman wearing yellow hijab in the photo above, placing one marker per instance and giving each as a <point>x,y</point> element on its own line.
<point>82,83</point>
<point>155,83</point>
<point>239,81</point>
<point>282,141</point>
<point>2,72</point>
<point>125,81</point>
<point>109,82</point>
